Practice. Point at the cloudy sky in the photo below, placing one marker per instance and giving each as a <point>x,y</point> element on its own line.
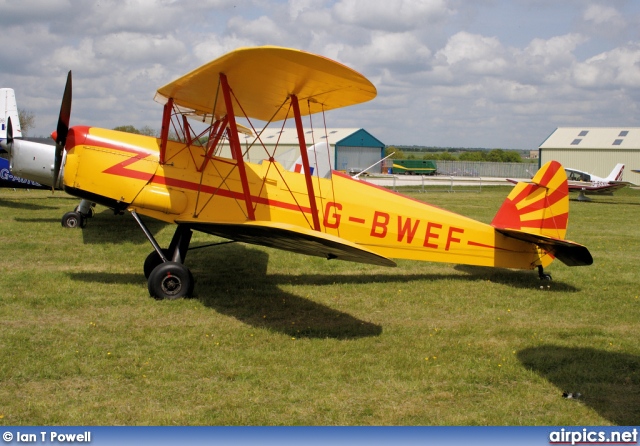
<point>459,73</point>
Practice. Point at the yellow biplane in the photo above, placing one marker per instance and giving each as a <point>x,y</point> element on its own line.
<point>187,181</point>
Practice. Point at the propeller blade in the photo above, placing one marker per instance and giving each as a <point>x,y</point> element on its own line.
<point>63,129</point>
<point>7,144</point>
<point>9,131</point>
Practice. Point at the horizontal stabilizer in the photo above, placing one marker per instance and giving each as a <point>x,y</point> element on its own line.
<point>569,253</point>
<point>292,238</point>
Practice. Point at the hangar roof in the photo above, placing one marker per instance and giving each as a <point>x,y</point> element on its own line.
<point>289,135</point>
<point>593,138</point>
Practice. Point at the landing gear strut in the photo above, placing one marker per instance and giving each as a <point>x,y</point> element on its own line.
<point>78,217</point>
<point>542,274</point>
<point>167,277</point>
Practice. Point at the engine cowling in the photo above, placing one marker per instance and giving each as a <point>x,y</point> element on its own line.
<point>32,161</point>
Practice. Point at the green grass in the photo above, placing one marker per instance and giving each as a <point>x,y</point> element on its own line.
<point>275,338</point>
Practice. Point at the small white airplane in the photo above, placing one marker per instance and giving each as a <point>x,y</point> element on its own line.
<point>586,183</point>
<point>30,163</point>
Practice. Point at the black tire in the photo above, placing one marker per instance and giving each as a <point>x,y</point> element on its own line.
<point>153,260</point>
<point>73,220</point>
<point>171,281</point>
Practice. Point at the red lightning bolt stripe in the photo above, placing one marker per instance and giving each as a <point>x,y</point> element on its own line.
<point>122,169</point>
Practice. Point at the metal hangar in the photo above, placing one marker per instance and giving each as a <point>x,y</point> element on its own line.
<point>593,149</point>
<point>349,148</point>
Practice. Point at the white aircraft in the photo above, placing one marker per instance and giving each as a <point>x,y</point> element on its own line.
<point>319,157</point>
<point>586,183</point>
<point>9,109</point>
<point>31,163</point>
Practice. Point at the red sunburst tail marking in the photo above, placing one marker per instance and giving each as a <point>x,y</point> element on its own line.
<point>540,207</point>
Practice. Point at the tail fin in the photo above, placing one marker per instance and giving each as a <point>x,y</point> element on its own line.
<point>540,207</point>
<point>538,212</point>
<point>319,160</point>
<point>616,173</point>
<point>9,109</point>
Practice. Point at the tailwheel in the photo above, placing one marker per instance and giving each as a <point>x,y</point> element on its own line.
<point>73,220</point>
<point>170,280</point>
<point>543,275</point>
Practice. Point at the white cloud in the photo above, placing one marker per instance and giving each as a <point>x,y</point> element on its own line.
<point>445,74</point>
<point>617,69</point>
<point>402,51</point>
<point>398,15</point>
<point>555,51</point>
<point>262,29</point>
<point>474,53</point>
<point>604,15</point>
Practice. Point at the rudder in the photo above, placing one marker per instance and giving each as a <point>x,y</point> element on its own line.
<point>9,109</point>
<point>540,207</point>
<point>616,173</point>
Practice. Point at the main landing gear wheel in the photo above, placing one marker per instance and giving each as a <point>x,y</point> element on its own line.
<point>73,220</point>
<point>170,280</point>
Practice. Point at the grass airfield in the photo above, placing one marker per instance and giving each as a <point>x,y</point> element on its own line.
<point>276,338</point>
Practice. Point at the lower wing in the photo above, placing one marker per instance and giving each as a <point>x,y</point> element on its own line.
<point>292,238</point>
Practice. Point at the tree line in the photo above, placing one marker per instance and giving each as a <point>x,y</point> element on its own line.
<point>493,155</point>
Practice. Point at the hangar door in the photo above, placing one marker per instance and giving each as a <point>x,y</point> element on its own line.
<point>358,158</point>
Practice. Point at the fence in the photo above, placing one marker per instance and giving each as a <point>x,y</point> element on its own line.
<point>486,169</point>
<point>456,175</point>
<point>431,183</point>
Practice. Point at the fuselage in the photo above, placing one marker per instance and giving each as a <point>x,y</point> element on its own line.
<point>122,171</point>
<point>592,184</point>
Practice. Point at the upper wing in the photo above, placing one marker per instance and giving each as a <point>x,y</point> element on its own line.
<point>292,238</point>
<point>263,78</point>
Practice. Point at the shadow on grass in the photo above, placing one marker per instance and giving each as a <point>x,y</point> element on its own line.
<point>105,227</point>
<point>233,279</point>
<point>514,278</point>
<point>38,220</point>
<point>609,382</point>
<point>15,204</point>
<point>605,200</point>
<point>111,278</point>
